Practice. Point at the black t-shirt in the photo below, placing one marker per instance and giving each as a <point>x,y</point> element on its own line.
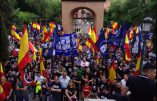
<point>76,78</point>
<point>55,86</point>
<point>142,88</point>
<point>71,91</point>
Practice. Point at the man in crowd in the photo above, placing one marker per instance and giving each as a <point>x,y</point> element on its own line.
<point>142,87</point>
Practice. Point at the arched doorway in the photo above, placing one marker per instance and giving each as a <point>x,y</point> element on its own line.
<point>82,19</point>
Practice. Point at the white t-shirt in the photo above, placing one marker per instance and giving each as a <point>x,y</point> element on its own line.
<point>83,64</point>
<point>64,81</point>
<point>40,79</point>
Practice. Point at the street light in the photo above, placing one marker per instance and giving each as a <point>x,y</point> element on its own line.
<point>147,24</point>
<point>146,27</point>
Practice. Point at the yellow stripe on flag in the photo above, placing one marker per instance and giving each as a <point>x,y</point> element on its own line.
<point>127,49</point>
<point>23,56</point>
<point>15,35</point>
<point>93,35</point>
<point>112,72</point>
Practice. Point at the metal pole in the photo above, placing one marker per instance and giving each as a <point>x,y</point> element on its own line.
<point>143,52</point>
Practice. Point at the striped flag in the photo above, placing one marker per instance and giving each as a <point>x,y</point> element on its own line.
<point>93,37</point>
<point>36,26</point>
<point>52,27</point>
<point>114,26</point>
<point>131,33</point>
<point>42,68</point>
<point>112,72</point>
<point>107,33</point>
<point>46,36</point>
<point>137,68</point>
<point>17,37</point>
<point>127,48</point>
<point>14,33</point>
<point>23,56</point>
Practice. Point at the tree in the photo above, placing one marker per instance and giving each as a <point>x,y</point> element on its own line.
<point>4,54</point>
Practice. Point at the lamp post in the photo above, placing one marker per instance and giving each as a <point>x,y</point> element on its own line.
<point>146,27</point>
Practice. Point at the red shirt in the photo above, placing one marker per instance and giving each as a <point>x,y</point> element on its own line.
<point>7,88</point>
<point>86,90</point>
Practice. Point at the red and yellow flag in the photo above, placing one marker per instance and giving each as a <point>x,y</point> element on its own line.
<point>93,35</point>
<point>112,72</point>
<point>23,56</point>
<point>137,68</point>
<point>42,67</point>
<point>46,36</point>
<point>52,26</point>
<point>36,26</point>
<point>107,33</point>
<point>131,33</point>
<point>14,33</point>
<point>114,25</point>
<point>127,48</point>
<point>1,70</point>
<point>17,37</point>
<point>2,94</point>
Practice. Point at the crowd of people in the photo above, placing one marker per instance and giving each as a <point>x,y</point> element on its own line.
<point>69,78</point>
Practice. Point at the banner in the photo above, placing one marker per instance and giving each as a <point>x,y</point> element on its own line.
<point>66,45</point>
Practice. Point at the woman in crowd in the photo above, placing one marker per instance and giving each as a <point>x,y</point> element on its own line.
<point>86,90</point>
<point>71,92</point>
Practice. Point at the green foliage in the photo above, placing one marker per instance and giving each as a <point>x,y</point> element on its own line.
<point>4,54</point>
<point>22,17</point>
<point>47,9</point>
<point>132,12</point>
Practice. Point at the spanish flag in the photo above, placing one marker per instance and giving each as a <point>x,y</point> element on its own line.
<point>112,72</point>
<point>46,36</point>
<point>93,37</point>
<point>2,94</point>
<point>114,26</point>
<point>107,33</point>
<point>127,48</point>
<point>23,56</point>
<point>137,68</point>
<point>88,44</point>
<point>1,70</point>
<point>17,37</point>
<point>14,33</point>
<point>52,26</point>
<point>42,67</point>
<point>36,26</point>
<point>131,33</point>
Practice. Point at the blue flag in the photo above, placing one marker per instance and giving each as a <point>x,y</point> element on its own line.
<point>115,39</point>
<point>101,44</point>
